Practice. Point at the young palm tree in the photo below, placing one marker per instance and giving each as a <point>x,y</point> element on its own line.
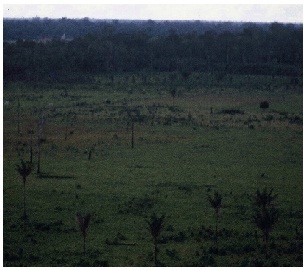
<point>173,92</point>
<point>84,222</point>
<point>156,225</point>
<point>133,115</point>
<point>31,132</point>
<point>215,203</point>
<point>264,198</point>
<point>24,169</point>
<point>265,219</point>
<point>266,215</point>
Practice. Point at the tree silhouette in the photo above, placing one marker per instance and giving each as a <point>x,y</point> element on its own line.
<point>134,116</point>
<point>155,226</point>
<point>40,141</point>
<point>24,169</point>
<point>173,93</point>
<point>265,219</point>
<point>18,117</point>
<point>215,203</point>
<point>264,104</point>
<point>264,198</point>
<point>266,215</point>
<point>152,112</point>
<point>83,222</point>
<point>31,132</point>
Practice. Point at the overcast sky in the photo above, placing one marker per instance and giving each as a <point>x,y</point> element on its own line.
<point>254,13</point>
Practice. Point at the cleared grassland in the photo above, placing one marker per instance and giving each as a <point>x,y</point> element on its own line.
<point>182,154</point>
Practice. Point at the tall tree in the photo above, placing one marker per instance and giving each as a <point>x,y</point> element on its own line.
<point>265,219</point>
<point>24,169</point>
<point>264,198</point>
<point>83,222</point>
<point>40,140</point>
<point>133,115</point>
<point>266,214</point>
<point>155,227</point>
<point>215,203</point>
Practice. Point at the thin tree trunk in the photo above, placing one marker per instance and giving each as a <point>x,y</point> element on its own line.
<point>39,158</point>
<point>24,195</point>
<point>39,137</point>
<point>216,225</point>
<point>31,150</point>
<point>155,252</point>
<point>266,245</point>
<point>132,134</point>
<point>18,116</point>
<point>84,245</point>
<point>66,131</point>
<point>31,154</point>
<point>216,238</point>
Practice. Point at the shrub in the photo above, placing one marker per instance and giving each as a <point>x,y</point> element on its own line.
<point>231,111</point>
<point>296,120</point>
<point>264,104</point>
<point>205,259</point>
<point>173,254</point>
<point>269,117</point>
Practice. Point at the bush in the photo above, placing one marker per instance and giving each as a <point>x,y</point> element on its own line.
<point>173,254</point>
<point>269,117</point>
<point>296,120</point>
<point>100,263</point>
<point>137,206</point>
<point>205,259</point>
<point>231,111</point>
<point>10,257</point>
<point>264,104</point>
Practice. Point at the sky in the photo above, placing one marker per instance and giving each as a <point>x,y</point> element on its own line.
<point>210,12</point>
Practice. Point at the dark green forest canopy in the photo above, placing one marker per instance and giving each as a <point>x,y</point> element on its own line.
<point>93,47</point>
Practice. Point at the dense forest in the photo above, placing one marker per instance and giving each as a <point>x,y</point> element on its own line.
<point>37,28</point>
<point>34,49</point>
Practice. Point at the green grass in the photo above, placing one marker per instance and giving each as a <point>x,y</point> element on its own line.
<point>172,170</point>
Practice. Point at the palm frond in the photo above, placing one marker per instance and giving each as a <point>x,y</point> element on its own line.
<point>156,225</point>
<point>265,219</point>
<point>83,222</point>
<point>215,201</point>
<point>265,198</point>
<point>24,168</point>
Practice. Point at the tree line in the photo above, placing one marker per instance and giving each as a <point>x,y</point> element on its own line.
<point>255,50</point>
<point>36,28</point>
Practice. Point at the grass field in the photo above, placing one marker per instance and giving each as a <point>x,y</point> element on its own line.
<point>182,154</point>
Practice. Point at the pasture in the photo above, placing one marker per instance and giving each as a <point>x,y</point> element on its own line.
<point>192,137</point>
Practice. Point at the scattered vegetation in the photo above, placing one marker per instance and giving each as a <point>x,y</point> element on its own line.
<point>189,109</point>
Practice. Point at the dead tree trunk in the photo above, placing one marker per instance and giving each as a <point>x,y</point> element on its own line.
<point>39,142</point>
<point>24,199</point>
<point>155,252</point>
<point>133,139</point>
<point>18,117</point>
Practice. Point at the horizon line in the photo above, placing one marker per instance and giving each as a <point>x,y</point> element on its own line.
<point>158,20</point>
